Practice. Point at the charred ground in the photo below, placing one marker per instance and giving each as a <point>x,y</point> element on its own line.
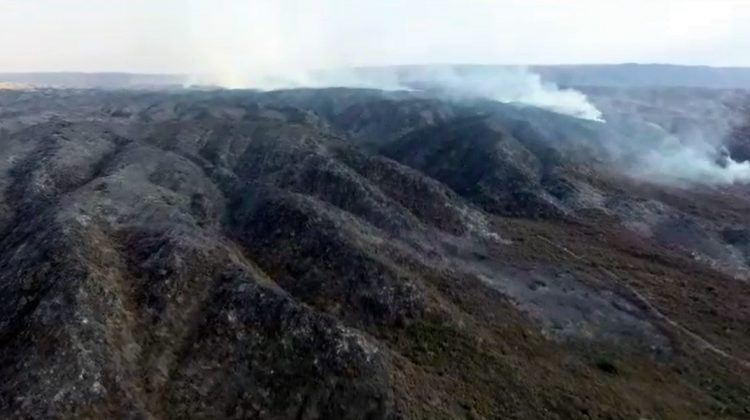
<point>356,254</point>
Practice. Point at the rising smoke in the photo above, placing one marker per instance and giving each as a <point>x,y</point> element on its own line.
<point>270,45</point>
<point>511,84</point>
<point>508,84</point>
<point>684,160</point>
<point>677,137</point>
<point>693,165</point>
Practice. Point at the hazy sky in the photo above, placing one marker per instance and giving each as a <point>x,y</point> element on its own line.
<point>202,36</point>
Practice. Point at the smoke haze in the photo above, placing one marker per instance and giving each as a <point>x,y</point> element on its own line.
<point>271,44</point>
<point>676,139</point>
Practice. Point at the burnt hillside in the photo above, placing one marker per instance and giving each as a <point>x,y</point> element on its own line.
<point>356,254</point>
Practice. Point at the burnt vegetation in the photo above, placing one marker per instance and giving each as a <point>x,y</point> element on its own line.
<point>345,253</point>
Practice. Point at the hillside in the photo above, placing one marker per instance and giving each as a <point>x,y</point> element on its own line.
<point>344,253</point>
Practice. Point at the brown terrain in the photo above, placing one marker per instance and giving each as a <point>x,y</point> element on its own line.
<point>345,253</point>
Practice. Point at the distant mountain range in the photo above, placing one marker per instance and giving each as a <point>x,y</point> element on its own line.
<point>94,80</point>
<point>647,75</point>
<point>619,75</point>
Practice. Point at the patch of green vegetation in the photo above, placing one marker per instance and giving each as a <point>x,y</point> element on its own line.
<point>606,363</point>
<point>430,343</point>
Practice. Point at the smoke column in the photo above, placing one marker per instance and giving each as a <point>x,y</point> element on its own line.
<point>268,45</point>
<point>264,44</point>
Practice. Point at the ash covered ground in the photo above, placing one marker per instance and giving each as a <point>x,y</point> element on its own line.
<point>355,253</point>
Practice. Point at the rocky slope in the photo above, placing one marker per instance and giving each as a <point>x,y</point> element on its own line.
<point>355,254</point>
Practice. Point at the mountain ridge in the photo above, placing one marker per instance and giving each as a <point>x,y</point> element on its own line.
<point>612,75</point>
<point>328,253</point>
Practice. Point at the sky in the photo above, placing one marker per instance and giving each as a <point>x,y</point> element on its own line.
<point>235,36</point>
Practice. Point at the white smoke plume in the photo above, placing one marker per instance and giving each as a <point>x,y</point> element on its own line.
<point>701,163</point>
<point>503,84</point>
<point>267,45</point>
<point>686,153</point>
